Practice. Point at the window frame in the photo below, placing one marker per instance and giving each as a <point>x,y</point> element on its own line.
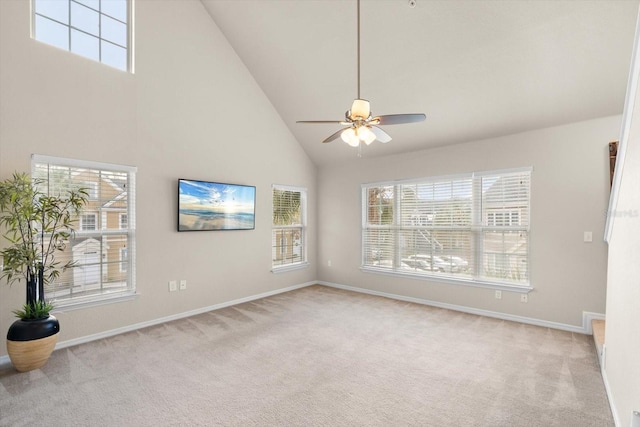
<point>122,215</point>
<point>478,227</point>
<point>71,28</point>
<point>84,216</point>
<point>303,263</point>
<point>70,302</point>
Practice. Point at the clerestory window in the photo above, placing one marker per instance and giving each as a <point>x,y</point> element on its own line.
<point>96,29</point>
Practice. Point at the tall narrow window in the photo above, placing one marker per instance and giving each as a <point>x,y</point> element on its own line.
<point>288,237</point>
<point>472,227</point>
<point>96,29</point>
<point>103,244</point>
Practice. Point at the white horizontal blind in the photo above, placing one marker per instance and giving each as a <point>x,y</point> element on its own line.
<point>470,227</point>
<point>288,237</point>
<point>102,247</point>
<point>505,227</point>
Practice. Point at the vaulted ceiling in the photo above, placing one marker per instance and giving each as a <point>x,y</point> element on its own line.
<point>476,68</point>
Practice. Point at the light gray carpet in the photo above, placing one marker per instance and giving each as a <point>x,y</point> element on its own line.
<point>317,356</point>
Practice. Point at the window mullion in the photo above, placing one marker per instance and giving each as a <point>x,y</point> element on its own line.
<point>476,221</point>
<point>397,225</point>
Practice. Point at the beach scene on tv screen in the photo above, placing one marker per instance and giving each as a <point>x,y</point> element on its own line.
<point>215,206</point>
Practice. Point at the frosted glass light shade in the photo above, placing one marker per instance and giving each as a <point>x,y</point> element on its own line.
<point>349,136</point>
<point>360,108</point>
<point>365,135</point>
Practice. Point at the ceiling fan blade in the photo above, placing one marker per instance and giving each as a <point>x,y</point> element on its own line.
<point>335,135</point>
<point>398,119</point>
<point>320,121</point>
<point>381,135</point>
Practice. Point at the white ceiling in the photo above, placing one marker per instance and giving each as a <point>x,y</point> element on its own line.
<point>476,68</point>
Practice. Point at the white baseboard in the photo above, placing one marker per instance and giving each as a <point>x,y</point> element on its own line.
<point>587,317</point>
<point>88,338</point>
<point>614,411</point>
<point>584,329</point>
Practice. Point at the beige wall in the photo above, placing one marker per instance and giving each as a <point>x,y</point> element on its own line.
<point>622,334</point>
<point>185,114</point>
<point>570,189</point>
<point>191,110</point>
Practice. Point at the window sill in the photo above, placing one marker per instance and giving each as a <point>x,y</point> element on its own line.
<point>523,289</point>
<point>289,267</point>
<point>81,303</point>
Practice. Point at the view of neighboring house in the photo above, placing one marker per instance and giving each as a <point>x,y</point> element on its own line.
<point>99,247</point>
<point>439,223</point>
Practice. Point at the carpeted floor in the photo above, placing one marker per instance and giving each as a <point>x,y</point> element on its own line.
<point>317,356</point>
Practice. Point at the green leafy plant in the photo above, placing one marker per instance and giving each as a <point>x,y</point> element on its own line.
<point>37,225</point>
<point>37,310</point>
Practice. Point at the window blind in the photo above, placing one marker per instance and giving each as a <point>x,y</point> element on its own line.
<point>102,247</point>
<point>469,227</point>
<point>288,239</point>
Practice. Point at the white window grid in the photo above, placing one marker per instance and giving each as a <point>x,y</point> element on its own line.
<point>91,28</point>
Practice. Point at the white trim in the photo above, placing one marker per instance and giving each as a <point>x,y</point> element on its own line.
<point>588,317</point>
<point>290,267</point>
<point>449,280</point>
<point>288,188</point>
<point>84,164</point>
<point>607,387</point>
<point>627,118</point>
<point>505,171</point>
<point>465,309</point>
<point>106,334</point>
<point>429,179</point>
<point>131,37</point>
<point>79,303</point>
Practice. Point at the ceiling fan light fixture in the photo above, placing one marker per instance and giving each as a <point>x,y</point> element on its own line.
<point>360,109</point>
<point>350,137</point>
<point>365,135</point>
<point>362,126</point>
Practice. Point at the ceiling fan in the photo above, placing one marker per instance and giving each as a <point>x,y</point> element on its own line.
<point>361,124</point>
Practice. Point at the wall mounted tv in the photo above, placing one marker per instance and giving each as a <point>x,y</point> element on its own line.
<point>204,205</point>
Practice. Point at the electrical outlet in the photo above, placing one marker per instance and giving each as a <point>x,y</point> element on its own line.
<point>498,294</point>
<point>173,286</point>
<point>183,285</point>
<point>524,298</point>
<point>588,237</point>
<point>329,263</point>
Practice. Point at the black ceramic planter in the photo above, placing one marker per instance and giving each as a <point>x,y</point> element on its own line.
<point>27,330</point>
<point>31,342</point>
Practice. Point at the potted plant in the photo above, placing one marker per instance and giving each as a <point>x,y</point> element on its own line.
<point>37,226</point>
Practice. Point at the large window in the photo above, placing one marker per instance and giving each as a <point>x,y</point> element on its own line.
<point>96,29</point>
<point>103,246</point>
<point>473,227</point>
<point>288,236</point>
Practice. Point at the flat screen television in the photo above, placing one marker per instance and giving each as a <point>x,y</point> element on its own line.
<point>205,205</point>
